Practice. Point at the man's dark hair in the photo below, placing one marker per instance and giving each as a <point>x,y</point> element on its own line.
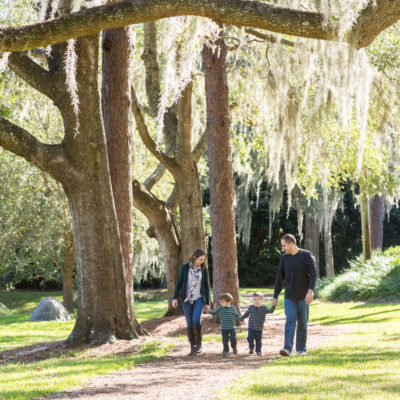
<point>288,238</point>
<point>226,297</point>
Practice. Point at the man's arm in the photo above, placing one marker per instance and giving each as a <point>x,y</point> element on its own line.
<point>312,272</point>
<point>280,276</point>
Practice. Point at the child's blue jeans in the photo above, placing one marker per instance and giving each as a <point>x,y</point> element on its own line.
<point>193,312</point>
<point>226,335</point>
<point>256,335</point>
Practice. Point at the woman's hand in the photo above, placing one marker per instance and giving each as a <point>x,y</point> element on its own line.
<point>174,303</point>
<point>206,308</point>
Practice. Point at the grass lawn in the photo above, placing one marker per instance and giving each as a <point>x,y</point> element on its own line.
<point>36,379</point>
<point>364,364</point>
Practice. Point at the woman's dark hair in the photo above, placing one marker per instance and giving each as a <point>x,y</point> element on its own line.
<point>196,254</point>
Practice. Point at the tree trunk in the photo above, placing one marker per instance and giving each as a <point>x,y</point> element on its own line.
<point>104,308</point>
<point>365,229</point>
<point>68,269</point>
<point>377,212</point>
<point>311,242</point>
<point>164,229</point>
<point>116,101</point>
<point>329,264</point>
<point>188,181</point>
<point>219,152</point>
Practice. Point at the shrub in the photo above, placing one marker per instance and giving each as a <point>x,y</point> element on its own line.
<point>377,278</point>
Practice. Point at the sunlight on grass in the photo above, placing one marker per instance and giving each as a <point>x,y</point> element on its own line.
<point>26,381</point>
<point>17,330</point>
<point>362,365</point>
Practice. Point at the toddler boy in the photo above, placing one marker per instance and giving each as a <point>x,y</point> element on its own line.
<point>227,314</point>
<point>257,313</point>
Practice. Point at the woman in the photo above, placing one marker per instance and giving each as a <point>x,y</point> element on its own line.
<point>195,296</point>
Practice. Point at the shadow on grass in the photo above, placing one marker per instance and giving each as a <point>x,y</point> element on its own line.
<point>54,375</point>
<point>362,317</point>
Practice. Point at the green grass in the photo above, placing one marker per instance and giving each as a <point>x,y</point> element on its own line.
<point>37,379</point>
<point>362,365</point>
<point>27,381</point>
<point>18,331</point>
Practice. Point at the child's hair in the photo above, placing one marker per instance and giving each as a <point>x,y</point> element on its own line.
<point>226,297</point>
<point>258,294</point>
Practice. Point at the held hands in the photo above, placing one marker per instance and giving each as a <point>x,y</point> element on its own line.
<point>309,296</point>
<point>275,302</point>
<point>174,303</point>
<point>206,308</point>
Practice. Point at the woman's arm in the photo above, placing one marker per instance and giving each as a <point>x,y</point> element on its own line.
<point>179,283</point>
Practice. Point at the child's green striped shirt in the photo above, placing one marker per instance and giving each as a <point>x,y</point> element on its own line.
<point>228,315</point>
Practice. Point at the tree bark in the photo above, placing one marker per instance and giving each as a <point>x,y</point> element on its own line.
<point>377,212</point>
<point>376,16</point>
<point>311,242</point>
<point>184,170</point>
<point>223,240</point>
<point>116,101</point>
<point>104,307</point>
<point>188,181</point>
<point>329,264</point>
<point>67,270</point>
<point>163,228</point>
<point>365,228</point>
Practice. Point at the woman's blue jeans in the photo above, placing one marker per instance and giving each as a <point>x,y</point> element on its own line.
<point>193,312</point>
<point>296,313</point>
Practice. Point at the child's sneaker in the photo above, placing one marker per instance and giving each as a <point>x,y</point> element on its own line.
<point>224,353</point>
<point>251,351</point>
<point>234,350</point>
<point>259,353</point>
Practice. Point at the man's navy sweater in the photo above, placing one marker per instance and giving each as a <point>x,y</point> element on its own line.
<point>299,273</point>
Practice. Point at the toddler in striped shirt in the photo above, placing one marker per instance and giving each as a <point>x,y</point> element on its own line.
<point>227,313</point>
<point>257,313</point>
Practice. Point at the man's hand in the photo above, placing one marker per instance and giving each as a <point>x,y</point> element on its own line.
<point>174,303</point>
<point>309,296</point>
<point>275,302</point>
<point>206,308</point>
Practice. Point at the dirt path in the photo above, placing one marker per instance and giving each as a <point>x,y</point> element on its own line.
<point>179,377</point>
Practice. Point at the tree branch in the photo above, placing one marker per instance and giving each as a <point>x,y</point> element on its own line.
<point>48,157</point>
<point>157,174</point>
<point>151,66</point>
<point>373,19</point>
<point>200,148</point>
<point>173,199</point>
<point>233,12</point>
<point>141,126</point>
<point>269,38</point>
<point>184,137</point>
<point>254,14</point>
<point>33,74</point>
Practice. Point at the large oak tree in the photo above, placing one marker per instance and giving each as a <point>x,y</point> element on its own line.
<point>80,162</point>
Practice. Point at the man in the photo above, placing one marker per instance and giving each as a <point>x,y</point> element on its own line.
<point>297,269</point>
